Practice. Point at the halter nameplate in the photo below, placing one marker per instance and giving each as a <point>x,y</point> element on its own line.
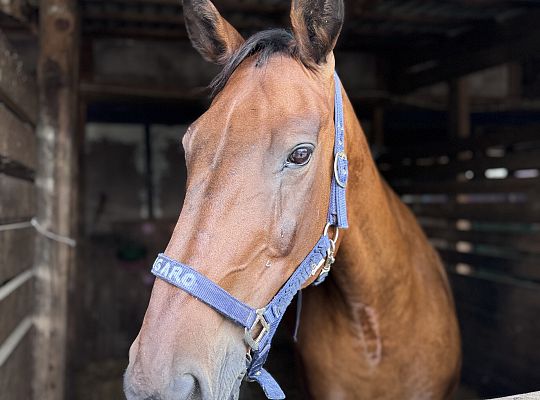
<point>264,322</point>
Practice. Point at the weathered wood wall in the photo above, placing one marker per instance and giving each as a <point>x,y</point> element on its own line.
<point>56,183</point>
<point>18,9</point>
<point>479,202</point>
<point>18,111</point>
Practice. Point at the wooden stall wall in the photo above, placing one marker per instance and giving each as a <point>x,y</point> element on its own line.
<point>18,112</point>
<point>479,202</point>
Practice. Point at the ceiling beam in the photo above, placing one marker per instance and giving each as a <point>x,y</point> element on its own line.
<point>481,48</point>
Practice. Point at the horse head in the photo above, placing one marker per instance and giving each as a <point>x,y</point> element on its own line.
<point>260,162</point>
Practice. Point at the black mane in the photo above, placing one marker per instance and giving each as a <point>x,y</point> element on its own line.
<point>264,44</point>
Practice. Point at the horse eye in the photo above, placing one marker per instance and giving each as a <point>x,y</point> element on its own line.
<point>300,156</point>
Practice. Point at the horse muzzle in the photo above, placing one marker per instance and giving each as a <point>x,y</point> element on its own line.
<point>150,378</point>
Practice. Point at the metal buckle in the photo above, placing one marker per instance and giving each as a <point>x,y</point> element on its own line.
<point>336,233</point>
<point>330,259</point>
<point>315,267</point>
<point>343,156</point>
<point>252,342</point>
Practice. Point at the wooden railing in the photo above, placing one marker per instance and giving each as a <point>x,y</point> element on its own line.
<point>18,105</point>
<point>478,201</point>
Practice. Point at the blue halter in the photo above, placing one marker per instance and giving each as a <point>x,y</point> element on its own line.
<point>261,325</point>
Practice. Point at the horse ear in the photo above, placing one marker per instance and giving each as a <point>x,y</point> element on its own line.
<point>316,25</point>
<point>211,35</point>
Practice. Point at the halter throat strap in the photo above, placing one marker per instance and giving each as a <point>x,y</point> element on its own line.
<point>260,325</point>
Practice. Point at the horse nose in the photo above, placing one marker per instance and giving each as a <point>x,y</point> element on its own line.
<point>186,387</point>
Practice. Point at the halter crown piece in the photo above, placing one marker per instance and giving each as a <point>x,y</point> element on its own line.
<point>260,325</point>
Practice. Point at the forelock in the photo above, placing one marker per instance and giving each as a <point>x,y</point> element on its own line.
<point>262,44</point>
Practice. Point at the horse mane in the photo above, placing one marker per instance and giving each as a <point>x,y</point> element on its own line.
<point>263,44</point>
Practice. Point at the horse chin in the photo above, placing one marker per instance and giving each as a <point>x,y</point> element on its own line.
<point>235,395</point>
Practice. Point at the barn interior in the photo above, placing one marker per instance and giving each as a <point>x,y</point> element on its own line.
<point>448,93</point>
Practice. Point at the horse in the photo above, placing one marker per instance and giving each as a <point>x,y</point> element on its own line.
<point>260,164</point>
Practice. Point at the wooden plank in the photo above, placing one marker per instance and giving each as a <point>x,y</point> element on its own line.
<point>17,89</point>
<point>478,164</point>
<point>490,138</point>
<point>508,185</point>
<point>15,307</point>
<point>57,161</point>
<point>17,370</point>
<point>525,268</point>
<point>17,139</point>
<point>526,243</point>
<point>16,252</point>
<point>18,199</point>
<point>518,212</point>
<point>459,112</point>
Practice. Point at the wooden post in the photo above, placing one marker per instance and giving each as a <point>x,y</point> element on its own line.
<point>459,113</point>
<point>57,79</point>
<point>515,81</point>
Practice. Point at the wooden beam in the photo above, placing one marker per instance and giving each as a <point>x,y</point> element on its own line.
<point>57,78</point>
<point>18,141</point>
<point>459,110</point>
<point>421,19</point>
<point>263,7</point>
<point>16,362</point>
<point>16,251</point>
<point>484,47</point>
<point>107,91</point>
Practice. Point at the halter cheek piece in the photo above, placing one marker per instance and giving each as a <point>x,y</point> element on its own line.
<point>260,325</point>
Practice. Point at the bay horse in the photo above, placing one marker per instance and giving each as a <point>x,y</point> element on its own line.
<point>260,163</point>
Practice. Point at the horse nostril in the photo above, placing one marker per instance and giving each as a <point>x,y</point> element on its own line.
<point>185,387</point>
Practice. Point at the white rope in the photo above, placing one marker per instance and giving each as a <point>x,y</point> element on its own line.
<point>51,235</point>
<point>15,283</point>
<point>13,340</point>
<point>40,229</point>
<point>17,225</point>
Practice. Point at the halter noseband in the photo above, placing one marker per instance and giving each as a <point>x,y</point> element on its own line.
<point>266,320</point>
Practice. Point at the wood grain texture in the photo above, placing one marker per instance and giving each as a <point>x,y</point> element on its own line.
<point>17,372</point>
<point>17,201</point>
<point>16,252</point>
<point>17,89</point>
<point>518,242</point>
<point>15,308</point>
<point>504,212</point>
<point>17,139</point>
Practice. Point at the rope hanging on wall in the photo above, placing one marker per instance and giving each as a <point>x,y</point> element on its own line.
<point>41,230</point>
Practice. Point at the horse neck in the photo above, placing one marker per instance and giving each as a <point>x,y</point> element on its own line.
<point>375,261</point>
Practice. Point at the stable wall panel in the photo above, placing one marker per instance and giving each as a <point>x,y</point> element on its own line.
<point>17,139</point>
<point>17,199</point>
<point>16,252</point>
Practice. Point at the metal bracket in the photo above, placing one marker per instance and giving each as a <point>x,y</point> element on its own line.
<point>343,156</point>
